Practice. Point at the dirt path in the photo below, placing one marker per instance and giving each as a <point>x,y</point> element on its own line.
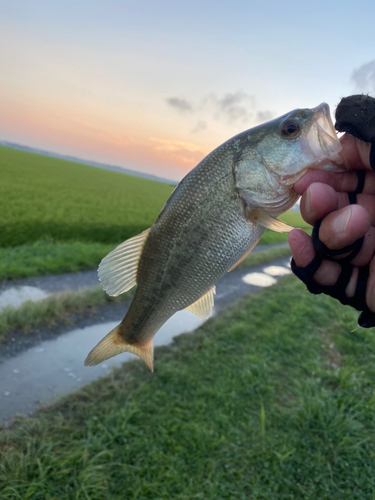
<point>74,281</point>
<point>35,369</point>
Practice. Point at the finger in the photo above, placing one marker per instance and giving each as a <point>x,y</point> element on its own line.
<point>356,154</point>
<point>352,285</point>
<point>355,151</point>
<point>340,182</point>
<point>366,253</point>
<point>302,247</point>
<point>303,252</point>
<point>327,275</point>
<point>319,200</point>
<point>343,227</point>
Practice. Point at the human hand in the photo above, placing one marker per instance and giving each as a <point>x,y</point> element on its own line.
<point>338,260</point>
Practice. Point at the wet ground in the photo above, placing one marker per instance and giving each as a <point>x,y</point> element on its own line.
<point>15,296</point>
<point>43,373</point>
<point>35,371</point>
<point>48,285</point>
<point>73,281</point>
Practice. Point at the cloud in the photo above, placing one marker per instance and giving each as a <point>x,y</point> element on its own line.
<point>199,126</point>
<point>232,107</point>
<point>364,77</point>
<point>179,104</point>
<point>264,116</point>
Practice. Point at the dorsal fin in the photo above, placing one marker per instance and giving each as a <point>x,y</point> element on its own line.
<point>203,306</point>
<point>117,272</point>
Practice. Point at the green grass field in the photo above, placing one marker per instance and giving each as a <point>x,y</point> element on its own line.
<point>43,197</point>
<point>61,216</point>
<point>264,256</point>
<point>271,400</point>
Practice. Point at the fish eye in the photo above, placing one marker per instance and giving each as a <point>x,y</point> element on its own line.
<point>290,129</point>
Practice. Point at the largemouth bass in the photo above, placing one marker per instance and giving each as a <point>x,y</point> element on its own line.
<point>212,220</point>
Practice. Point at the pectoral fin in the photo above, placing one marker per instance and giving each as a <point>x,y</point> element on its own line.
<point>260,216</point>
<point>203,306</point>
<point>118,270</point>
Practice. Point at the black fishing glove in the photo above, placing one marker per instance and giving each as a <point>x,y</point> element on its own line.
<point>356,116</point>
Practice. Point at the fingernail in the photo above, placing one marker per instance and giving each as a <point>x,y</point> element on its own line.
<point>341,221</point>
<point>307,202</point>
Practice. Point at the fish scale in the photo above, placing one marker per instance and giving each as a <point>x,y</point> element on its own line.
<point>212,220</point>
<point>220,234</point>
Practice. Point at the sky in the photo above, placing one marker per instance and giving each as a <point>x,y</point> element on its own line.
<point>154,86</point>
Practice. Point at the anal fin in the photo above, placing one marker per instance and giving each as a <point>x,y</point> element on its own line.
<point>114,344</point>
<point>203,306</point>
<point>260,216</point>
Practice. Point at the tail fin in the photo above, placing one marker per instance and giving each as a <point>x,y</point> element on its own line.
<point>114,344</point>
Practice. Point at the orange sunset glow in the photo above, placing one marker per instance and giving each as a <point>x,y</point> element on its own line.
<point>133,87</point>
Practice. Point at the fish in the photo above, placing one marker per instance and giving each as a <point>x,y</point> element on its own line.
<point>210,223</point>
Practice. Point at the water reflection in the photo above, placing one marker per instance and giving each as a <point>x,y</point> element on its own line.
<point>55,367</point>
<point>15,296</point>
<point>259,279</point>
<point>277,271</point>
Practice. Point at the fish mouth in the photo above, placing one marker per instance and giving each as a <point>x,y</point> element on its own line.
<point>323,140</point>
